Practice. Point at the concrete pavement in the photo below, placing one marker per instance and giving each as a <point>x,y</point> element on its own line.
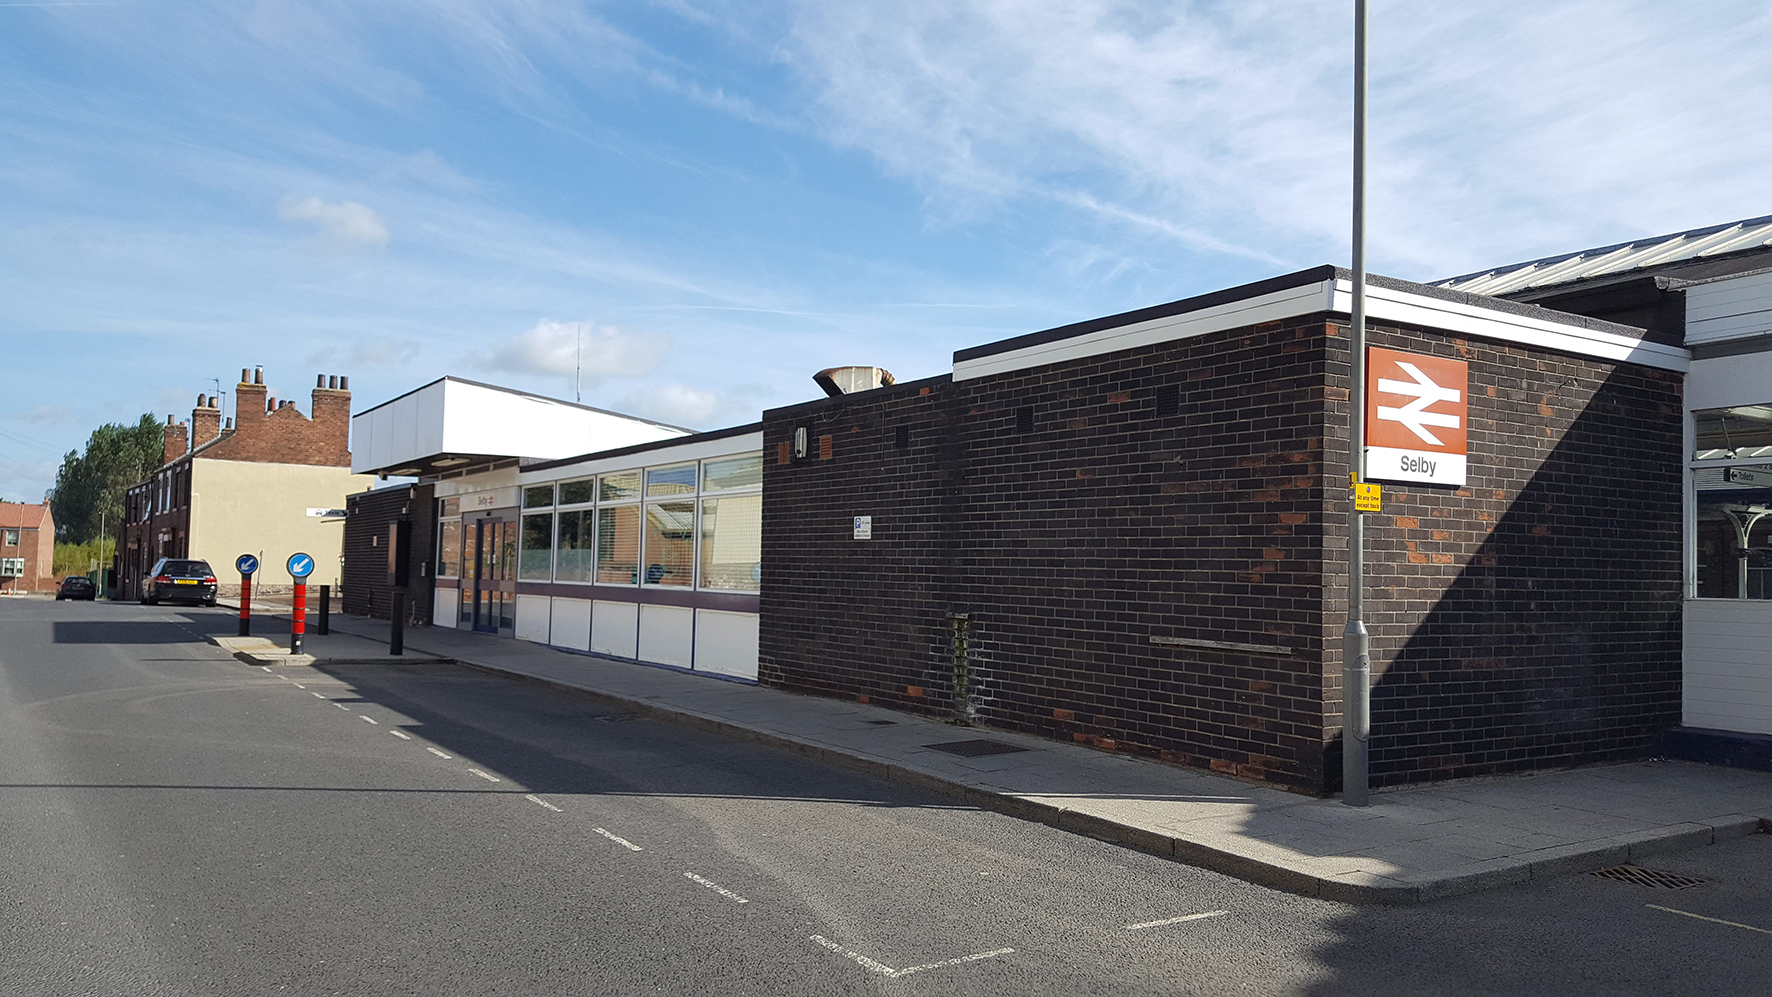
<point>1412,845</point>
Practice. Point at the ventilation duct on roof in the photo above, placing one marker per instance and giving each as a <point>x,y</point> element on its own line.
<point>848,380</point>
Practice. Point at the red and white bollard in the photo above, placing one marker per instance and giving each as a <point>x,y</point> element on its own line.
<point>298,619</point>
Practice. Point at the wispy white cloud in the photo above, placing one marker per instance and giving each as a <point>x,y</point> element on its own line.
<point>341,227</point>
<point>594,352</point>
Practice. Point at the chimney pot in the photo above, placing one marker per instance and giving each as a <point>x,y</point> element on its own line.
<point>344,383</point>
<point>332,382</point>
<point>258,375</point>
<point>169,418</point>
<point>199,399</point>
<point>270,405</point>
<point>212,403</point>
<point>319,380</point>
<point>245,375</point>
<point>230,422</point>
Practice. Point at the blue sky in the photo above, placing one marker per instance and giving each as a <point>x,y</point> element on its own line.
<point>724,197</point>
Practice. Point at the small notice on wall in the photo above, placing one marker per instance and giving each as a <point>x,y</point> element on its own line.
<point>864,527</point>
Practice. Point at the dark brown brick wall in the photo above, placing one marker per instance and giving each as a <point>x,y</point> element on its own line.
<point>365,577</point>
<point>1532,618</point>
<point>284,435</point>
<point>1529,620</point>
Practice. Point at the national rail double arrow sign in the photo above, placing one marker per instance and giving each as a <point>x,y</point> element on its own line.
<point>1416,414</point>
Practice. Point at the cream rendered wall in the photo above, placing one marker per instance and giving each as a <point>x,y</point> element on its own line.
<point>240,507</point>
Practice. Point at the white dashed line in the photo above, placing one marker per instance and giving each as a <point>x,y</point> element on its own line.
<point>342,707</point>
<point>717,888</point>
<point>1713,920</point>
<point>298,685</point>
<point>1176,920</point>
<point>439,754</point>
<point>489,777</point>
<point>316,695</point>
<point>265,667</point>
<point>544,804</point>
<point>402,735</point>
<point>875,966</point>
<point>370,719</point>
<point>618,839</point>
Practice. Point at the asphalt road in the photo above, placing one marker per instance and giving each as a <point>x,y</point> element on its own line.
<point>176,822</point>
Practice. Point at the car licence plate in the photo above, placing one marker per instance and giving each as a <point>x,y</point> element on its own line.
<point>184,581</point>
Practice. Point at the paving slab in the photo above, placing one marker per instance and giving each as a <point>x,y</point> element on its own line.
<point>1411,845</point>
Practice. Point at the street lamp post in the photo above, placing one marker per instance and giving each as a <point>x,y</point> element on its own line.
<point>1356,653</point>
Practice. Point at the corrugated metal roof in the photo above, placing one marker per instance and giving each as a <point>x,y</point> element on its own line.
<point>1699,243</point>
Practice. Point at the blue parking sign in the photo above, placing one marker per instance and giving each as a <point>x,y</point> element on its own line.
<point>301,565</point>
<point>246,564</point>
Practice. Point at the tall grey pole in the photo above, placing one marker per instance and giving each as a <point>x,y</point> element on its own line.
<point>1356,654</point>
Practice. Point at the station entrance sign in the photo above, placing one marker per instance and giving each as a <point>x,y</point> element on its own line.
<point>1417,413</point>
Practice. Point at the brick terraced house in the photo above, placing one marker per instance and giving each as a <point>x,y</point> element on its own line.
<point>258,483</point>
<point>27,548</point>
<point>1131,532</point>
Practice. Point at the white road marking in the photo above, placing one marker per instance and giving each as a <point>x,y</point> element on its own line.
<point>439,754</point>
<point>1176,920</point>
<point>298,685</point>
<point>265,667</point>
<point>485,775</point>
<point>717,888</point>
<point>370,719</point>
<point>618,839</point>
<point>538,801</point>
<point>875,966</point>
<point>316,695</point>
<point>342,707</point>
<point>402,735</point>
<point>1713,920</point>
<point>286,678</point>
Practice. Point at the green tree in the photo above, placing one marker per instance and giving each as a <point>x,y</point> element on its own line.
<point>88,484</point>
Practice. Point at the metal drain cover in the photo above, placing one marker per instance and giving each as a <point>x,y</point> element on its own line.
<point>1648,877</point>
<point>974,749</point>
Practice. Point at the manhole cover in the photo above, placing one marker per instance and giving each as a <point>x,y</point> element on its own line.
<point>974,749</point>
<point>883,723</point>
<point>1648,877</point>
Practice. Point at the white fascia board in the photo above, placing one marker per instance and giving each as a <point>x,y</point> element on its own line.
<point>682,453</point>
<point>1301,300</point>
<point>1452,316</point>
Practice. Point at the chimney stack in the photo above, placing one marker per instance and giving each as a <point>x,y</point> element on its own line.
<point>249,401</point>
<point>173,444</point>
<point>331,412</point>
<point>205,421</point>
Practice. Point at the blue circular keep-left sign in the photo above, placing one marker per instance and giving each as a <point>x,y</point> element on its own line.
<point>246,564</point>
<point>301,565</point>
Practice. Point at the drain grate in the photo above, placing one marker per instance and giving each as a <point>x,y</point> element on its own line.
<point>1648,877</point>
<point>883,723</point>
<point>974,749</point>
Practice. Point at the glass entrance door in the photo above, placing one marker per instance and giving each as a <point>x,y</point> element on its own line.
<point>494,576</point>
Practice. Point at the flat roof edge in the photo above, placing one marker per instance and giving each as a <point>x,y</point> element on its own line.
<point>637,448</point>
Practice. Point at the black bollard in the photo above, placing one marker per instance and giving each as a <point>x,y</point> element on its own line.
<point>325,610</point>
<point>397,623</point>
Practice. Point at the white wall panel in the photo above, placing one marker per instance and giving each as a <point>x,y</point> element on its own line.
<point>615,629</point>
<point>571,626</point>
<point>667,635</point>
<point>445,607</point>
<point>1721,382</point>
<point>533,614</point>
<point>726,642</point>
<point>1728,670</point>
<point>1728,308</point>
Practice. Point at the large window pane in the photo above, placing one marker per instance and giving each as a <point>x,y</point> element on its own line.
<point>732,472</point>
<point>572,546</point>
<point>537,558</point>
<point>577,492</point>
<point>618,545</point>
<point>1728,433</point>
<point>732,543</point>
<point>618,486</point>
<point>670,543</point>
<point>1734,532</point>
<point>670,481</point>
<point>538,497</point>
<point>449,548</point>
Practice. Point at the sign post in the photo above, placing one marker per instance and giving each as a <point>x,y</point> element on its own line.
<point>246,564</point>
<point>1356,655</point>
<point>300,567</point>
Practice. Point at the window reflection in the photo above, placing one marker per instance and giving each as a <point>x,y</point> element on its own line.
<point>1734,532</point>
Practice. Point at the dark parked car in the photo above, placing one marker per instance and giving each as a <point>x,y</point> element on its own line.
<point>76,587</point>
<point>179,580</point>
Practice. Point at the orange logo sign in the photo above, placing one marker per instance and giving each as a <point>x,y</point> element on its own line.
<point>1416,402</point>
